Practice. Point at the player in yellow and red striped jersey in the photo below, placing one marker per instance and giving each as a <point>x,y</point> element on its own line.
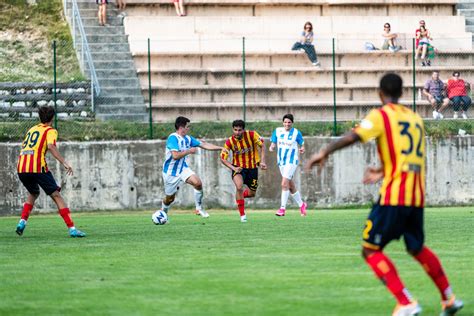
<point>400,137</point>
<point>246,159</point>
<point>33,170</point>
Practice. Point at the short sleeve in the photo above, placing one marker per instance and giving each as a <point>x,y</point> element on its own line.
<point>172,143</point>
<point>299,138</point>
<point>427,85</point>
<point>194,142</point>
<point>273,139</point>
<point>225,154</point>
<point>371,126</point>
<point>257,139</point>
<point>51,137</point>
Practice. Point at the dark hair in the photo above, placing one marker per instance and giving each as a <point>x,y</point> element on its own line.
<point>385,25</point>
<point>46,114</point>
<point>391,85</point>
<point>422,27</point>
<point>289,116</point>
<point>308,23</point>
<point>181,121</point>
<point>456,73</point>
<point>238,123</point>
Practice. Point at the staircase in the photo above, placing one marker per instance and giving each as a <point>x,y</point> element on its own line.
<point>466,8</point>
<point>120,97</point>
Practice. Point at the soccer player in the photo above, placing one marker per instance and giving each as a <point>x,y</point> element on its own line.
<point>288,138</point>
<point>400,137</point>
<point>176,170</point>
<point>248,153</point>
<point>33,170</point>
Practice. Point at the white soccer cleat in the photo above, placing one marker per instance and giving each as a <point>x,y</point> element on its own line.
<point>243,219</point>
<point>407,310</point>
<point>203,213</point>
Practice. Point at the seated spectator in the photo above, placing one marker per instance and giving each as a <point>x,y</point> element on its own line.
<point>424,38</point>
<point>179,6</point>
<point>389,39</point>
<point>457,90</point>
<point>306,44</point>
<point>417,40</point>
<point>435,91</point>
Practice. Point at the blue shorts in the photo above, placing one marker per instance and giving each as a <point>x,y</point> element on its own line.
<point>32,182</point>
<point>386,223</point>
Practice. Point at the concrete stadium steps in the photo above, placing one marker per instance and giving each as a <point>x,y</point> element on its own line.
<point>289,76</point>
<point>294,8</point>
<point>273,111</point>
<point>277,60</point>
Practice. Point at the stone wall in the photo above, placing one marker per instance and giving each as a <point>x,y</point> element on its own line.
<point>127,174</point>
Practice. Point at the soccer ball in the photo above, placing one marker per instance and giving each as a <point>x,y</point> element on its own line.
<point>159,218</point>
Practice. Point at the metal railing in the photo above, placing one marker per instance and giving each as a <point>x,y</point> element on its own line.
<point>85,55</point>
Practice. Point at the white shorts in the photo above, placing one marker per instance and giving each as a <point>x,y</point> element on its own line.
<point>172,183</point>
<point>288,171</point>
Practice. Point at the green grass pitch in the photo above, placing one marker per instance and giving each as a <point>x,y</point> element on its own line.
<point>219,266</point>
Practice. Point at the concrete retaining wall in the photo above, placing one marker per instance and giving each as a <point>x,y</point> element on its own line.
<point>118,175</point>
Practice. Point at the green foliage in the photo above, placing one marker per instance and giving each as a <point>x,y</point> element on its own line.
<point>219,266</point>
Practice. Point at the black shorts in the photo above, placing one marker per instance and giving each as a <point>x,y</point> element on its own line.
<point>250,177</point>
<point>386,223</point>
<point>32,182</point>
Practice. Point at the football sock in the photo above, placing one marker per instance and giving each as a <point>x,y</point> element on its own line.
<point>25,213</point>
<point>432,266</point>
<point>241,206</point>
<point>297,197</point>
<point>198,199</point>
<point>165,207</point>
<point>387,273</point>
<point>284,198</point>
<point>66,215</point>
<point>246,193</point>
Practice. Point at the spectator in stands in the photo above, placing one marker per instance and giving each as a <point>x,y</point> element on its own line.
<point>435,91</point>
<point>102,14</point>
<point>424,38</point>
<point>457,90</point>
<point>417,40</point>
<point>179,6</point>
<point>306,44</point>
<point>389,39</point>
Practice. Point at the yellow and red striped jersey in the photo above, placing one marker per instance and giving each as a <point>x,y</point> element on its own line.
<point>34,147</point>
<point>244,151</point>
<point>400,137</point>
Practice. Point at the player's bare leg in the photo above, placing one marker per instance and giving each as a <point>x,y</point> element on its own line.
<point>385,270</point>
<point>166,202</point>
<point>431,264</point>
<point>66,215</point>
<point>239,196</point>
<point>25,213</point>
<point>198,194</point>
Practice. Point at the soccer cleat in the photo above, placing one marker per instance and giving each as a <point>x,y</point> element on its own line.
<point>243,219</point>
<point>202,213</point>
<point>303,209</point>
<point>451,307</point>
<point>280,212</point>
<point>407,310</point>
<point>20,227</point>
<point>74,232</point>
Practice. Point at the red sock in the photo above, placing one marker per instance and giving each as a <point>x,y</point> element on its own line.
<point>387,273</point>
<point>66,215</point>
<point>246,193</point>
<point>241,207</point>
<point>25,213</point>
<point>432,266</point>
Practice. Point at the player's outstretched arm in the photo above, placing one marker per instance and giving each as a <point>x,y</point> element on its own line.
<point>55,152</point>
<point>180,154</point>
<point>209,146</point>
<point>320,158</point>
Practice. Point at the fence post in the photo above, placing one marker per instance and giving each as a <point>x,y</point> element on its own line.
<point>54,87</point>
<point>244,90</point>
<point>150,118</point>
<point>414,74</point>
<point>334,85</point>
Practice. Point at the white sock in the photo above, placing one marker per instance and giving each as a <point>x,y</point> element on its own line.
<point>284,198</point>
<point>198,199</point>
<point>165,207</point>
<point>297,197</point>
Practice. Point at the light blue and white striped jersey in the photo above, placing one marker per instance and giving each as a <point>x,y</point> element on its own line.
<point>287,142</point>
<point>175,142</point>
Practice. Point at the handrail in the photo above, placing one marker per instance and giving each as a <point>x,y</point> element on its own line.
<point>85,51</point>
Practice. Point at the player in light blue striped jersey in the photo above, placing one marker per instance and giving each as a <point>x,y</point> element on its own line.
<point>175,169</point>
<point>290,144</point>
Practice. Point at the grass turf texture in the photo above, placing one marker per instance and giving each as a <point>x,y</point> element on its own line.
<point>219,266</point>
